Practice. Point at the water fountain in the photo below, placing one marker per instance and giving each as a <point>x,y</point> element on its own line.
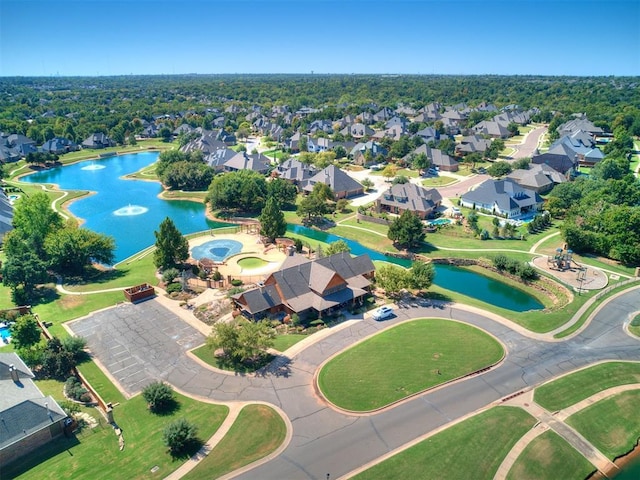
<point>93,166</point>
<point>130,210</point>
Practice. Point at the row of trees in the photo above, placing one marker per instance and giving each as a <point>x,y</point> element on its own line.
<point>41,241</point>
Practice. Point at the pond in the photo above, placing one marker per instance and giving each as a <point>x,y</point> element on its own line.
<point>452,278</point>
<point>128,210</point>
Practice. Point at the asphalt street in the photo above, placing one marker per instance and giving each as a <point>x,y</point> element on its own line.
<point>325,440</point>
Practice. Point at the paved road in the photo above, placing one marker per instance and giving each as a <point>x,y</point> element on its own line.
<point>324,440</point>
<point>529,143</point>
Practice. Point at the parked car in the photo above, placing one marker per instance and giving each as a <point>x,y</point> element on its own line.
<point>432,171</point>
<point>382,313</point>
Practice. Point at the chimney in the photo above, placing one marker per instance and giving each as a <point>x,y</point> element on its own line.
<point>13,371</point>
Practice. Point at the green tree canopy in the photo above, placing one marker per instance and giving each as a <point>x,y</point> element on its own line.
<point>337,247</point>
<point>283,191</point>
<point>25,332</point>
<point>272,222</point>
<point>159,396</point>
<point>34,217</point>
<point>406,230</point>
<point>393,279</point>
<point>241,191</point>
<point>171,247</point>
<point>499,169</point>
<point>241,340</point>
<point>422,275</point>
<point>72,248</point>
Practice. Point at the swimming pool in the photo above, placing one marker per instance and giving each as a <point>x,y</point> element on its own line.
<point>216,250</point>
<point>440,221</point>
<point>5,333</point>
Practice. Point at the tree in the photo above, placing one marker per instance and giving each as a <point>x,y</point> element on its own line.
<point>284,192</point>
<point>420,161</point>
<point>367,184</point>
<point>57,362</point>
<point>337,247</point>
<point>341,205</point>
<point>25,332</point>
<point>159,396</point>
<point>406,230</point>
<point>389,172</point>
<point>513,129</point>
<point>244,191</point>
<point>242,341</point>
<point>422,275</point>
<point>401,179</point>
<point>23,269</point>
<point>521,164</point>
<point>171,247</point>
<point>181,437</point>
<point>165,134</point>
<point>34,217</point>
<point>315,204</point>
<point>272,222</point>
<point>392,279</point>
<point>499,169</point>
<point>72,248</point>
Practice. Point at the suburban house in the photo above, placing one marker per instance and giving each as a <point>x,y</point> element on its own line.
<point>58,146</point>
<point>473,143</point>
<point>492,129</point>
<point>218,158</point>
<point>206,142</point>
<point>341,184</point>
<point>409,196</point>
<point>361,157</point>
<point>437,157</point>
<point>15,146</point>
<point>502,197</point>
<point>28,419</point>
<point>97,141</point>
<point>428,134</point>
<point>357,130</point>
<point>566,153</point>
<point>383,115</point>
<point>225,137</point>
<point>309,287</point>
<point>539,178</point>
<point>581,122</point>
<point>6,214</point>
<point>294,171</point>
<point>243,161</point>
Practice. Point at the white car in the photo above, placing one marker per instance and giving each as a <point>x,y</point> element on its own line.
<point>382,313</point>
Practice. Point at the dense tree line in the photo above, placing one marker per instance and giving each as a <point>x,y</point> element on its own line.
<point>74,107</point>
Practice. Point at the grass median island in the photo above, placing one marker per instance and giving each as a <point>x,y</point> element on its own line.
<point>283,342</point>
<point>573,388</point>
<point>634,326</point>
<point>94,453</point>
<point>404,360</point>
<point>549,456</point>
<point>611,425</point>
<point>257,432</point>
<point>473,448</point>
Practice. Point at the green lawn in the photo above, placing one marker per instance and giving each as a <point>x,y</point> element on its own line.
<point>404,360</point>
<point>249,263</point>
<point>577,386</point>
<point>634,326</point>
<point>472,449</point>
<point>611,425</point>
<point>95,454</point>
<point>283,342</point>
<point>440,181</point>
<point>549,457</point>
<point>405,172</point>
<point>257,432</point>
<point>101,383</point>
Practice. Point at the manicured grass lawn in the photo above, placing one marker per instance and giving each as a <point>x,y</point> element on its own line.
<point>440,181</point>
<point>181,195</point>
<point>577,386</point>
<point>382,230</point>
<point>404,360</point>
<point>634,326</point>
<point>101,383</point>
<point>95,453</point>
<point>612,425</point>
<point>282,342</point>
<point>472,449</point>
<point>405,172</point>
<point>257,432</point>
<point>249,263</point>
<point>549,457</point>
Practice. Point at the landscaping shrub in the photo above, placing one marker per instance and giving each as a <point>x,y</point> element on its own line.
<point>236,282</point>
<point>159,396</point>
<point>500,262</point>
<point>169,275</point>
<point>174,287</point>
<point>75,390</point>
<point>75,345</point>
<point>181,437</point>
<point>216,276</point>
<point>315,323</point>
<point>298,244</point>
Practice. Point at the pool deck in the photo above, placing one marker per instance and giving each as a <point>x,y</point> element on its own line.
<point>251,247</point>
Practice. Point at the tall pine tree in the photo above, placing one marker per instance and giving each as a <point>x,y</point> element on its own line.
<point>272,223</point>
<point>171,247</point>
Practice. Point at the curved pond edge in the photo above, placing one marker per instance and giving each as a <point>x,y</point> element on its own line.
<point>318,391</point>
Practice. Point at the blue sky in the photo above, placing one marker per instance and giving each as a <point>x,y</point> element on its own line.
<point>97,37</point>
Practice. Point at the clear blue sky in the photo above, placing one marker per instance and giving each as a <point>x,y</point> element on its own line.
<point>98,37</point>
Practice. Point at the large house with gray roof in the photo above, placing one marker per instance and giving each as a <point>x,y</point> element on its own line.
<point>309,287</point>
<point>538,177</point>
<point>28,419</point>
<point>505,198</point>
<point>409,196</point>
<point>243,161</point>
<point>341,184</point>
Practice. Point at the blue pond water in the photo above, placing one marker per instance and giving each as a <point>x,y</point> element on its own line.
<point>128,210</point>
<point>216,250</point>
<point>449,277</point>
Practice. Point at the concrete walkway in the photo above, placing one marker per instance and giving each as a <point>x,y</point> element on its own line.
<point>554,422</point>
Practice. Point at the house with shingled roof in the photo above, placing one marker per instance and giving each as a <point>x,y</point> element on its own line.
<point>505,198</point>
<point>312,288</point>
<point>409,196</point>
<point>341,184</point>
<point>28,419</point>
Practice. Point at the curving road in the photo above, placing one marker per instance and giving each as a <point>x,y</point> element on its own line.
<point>324,440</point>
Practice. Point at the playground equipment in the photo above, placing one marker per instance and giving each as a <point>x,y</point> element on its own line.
<point>562,258</point>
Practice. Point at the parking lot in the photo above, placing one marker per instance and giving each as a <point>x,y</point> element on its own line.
<point>137,343</point>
